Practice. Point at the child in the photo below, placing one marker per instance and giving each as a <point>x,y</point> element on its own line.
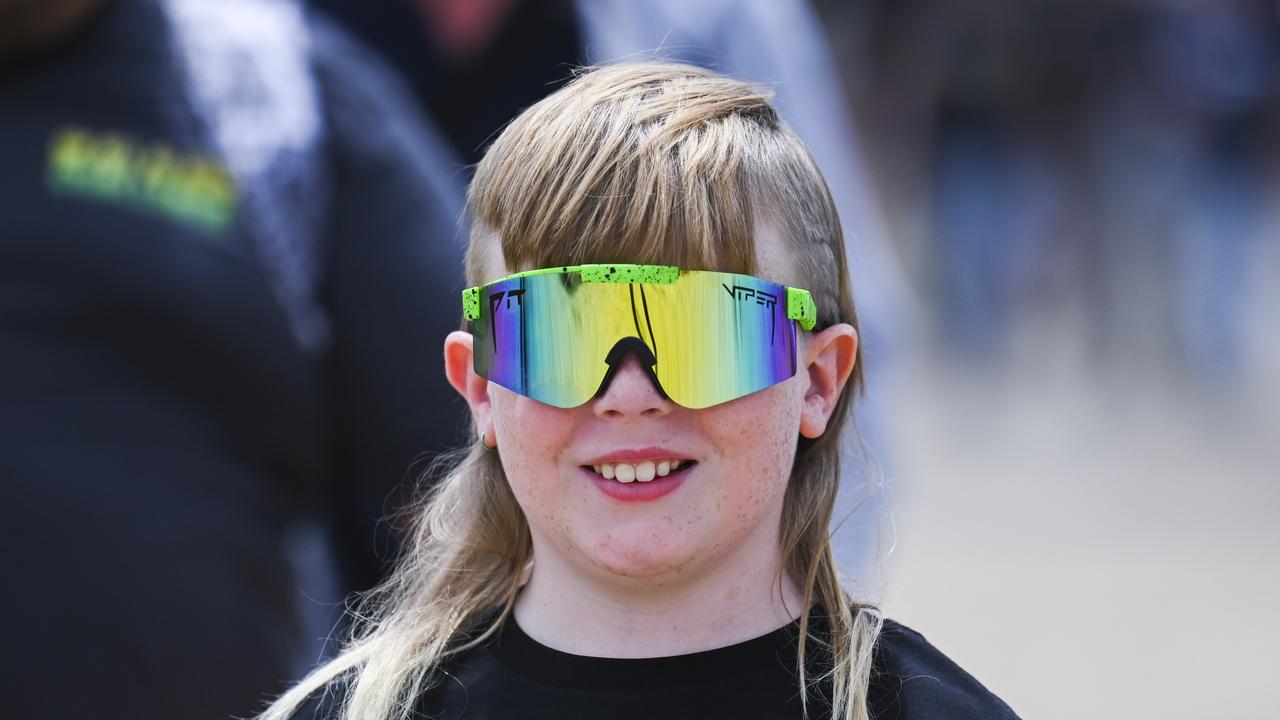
<point>662,352</point>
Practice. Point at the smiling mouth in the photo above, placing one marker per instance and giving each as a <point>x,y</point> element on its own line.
<point>644,471</point>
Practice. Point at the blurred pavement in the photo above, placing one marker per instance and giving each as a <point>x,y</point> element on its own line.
<point>1094,541</point>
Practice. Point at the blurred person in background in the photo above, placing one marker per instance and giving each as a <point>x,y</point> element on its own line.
<point>1179,142</point>
<point>476,63</point>
<point>227,246</point>
<point>1095,166</point>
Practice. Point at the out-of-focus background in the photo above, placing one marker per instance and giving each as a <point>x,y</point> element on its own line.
<point>228,220</point>
<point>1084,195</point>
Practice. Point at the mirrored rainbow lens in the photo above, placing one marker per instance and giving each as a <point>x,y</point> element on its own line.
<point>719,336</point>
<point>716,336</point>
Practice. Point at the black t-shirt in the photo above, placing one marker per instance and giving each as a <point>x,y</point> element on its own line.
<point>514,676</point>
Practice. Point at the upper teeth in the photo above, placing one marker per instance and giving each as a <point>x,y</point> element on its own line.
<point>642,471</point>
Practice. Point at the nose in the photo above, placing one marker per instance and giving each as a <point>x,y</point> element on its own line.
<point>630,391</point>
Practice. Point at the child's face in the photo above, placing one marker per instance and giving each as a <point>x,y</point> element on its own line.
<point>723,502</point>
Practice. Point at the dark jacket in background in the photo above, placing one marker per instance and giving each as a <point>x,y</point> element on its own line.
<point>229,253</point>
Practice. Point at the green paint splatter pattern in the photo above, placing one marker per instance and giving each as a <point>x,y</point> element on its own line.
<point>471,303</point>
<point>645,274</point>
<point>800,308</point>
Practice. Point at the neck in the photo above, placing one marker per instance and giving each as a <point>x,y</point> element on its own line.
<point>731,600</point>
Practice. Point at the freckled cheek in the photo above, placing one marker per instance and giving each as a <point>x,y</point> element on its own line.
<point>531,459</point>
<point>758,449</point>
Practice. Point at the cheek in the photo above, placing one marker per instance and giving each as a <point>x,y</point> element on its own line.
<point>530,459</point>
<point>758,445</point>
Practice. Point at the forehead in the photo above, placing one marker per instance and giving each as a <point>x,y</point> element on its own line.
<point>774,252</point>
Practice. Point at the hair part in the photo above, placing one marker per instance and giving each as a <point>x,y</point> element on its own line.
<point>639,163</point>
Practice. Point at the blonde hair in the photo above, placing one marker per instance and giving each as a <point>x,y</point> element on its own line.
<point>638,163</point>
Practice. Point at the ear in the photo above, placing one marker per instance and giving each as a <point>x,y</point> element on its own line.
<point>829,360</point>
<point>460,369</point>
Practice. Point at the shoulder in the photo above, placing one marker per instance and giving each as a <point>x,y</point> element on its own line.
<point>912,679</point>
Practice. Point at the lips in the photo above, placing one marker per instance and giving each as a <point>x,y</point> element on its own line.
<point>640,474</point>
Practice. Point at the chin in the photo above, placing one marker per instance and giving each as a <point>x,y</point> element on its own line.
<point>640,555</point>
